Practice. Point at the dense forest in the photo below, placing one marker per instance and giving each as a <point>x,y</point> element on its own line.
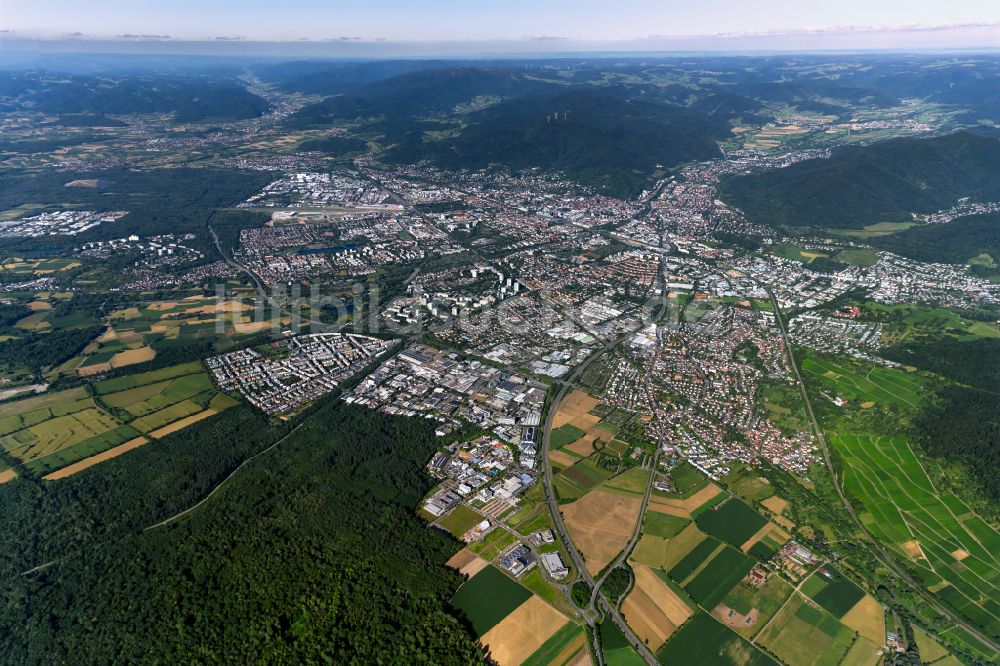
<point>972,362</point>
<point>158,201</point>
<point>963,424</point>
<point>312,554</point>
<point>859,186</point>
<point>953,242</point>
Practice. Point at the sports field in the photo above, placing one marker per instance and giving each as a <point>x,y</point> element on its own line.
<point>877,385</point>
<point>954,551</point>
<point>460,520</point>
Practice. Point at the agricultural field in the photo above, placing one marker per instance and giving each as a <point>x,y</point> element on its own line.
<point>746,610</point>
<point>869,386</point>
<point>616,648</point>
<point>954,551</point>
<point>600,524</point>
<point>66,429</point>
<point>805,635</point>
<point>578,479</point>
<point>733,521</point>
<point>719,575</point>
<point>833,591</point>
<point>518,635</point>
<point>703,640</point>
<point>562,648</point>
<point>487,598</point>
<point>652,609</point>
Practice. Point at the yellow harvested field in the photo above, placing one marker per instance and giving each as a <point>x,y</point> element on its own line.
<point>37,306</point>
<point>132,356</point>
<point>652,609</point>
<point>163,305</point>
<point>576,404</point>
<point>95,369</point>
<point>522,632</point>
<point>769,529</point>
<point>600,524</point>
<point>683,507</point>
<point>561,458</point>
<point>183,423</point>
<point>584,446</point>
<point>220,307</point>
<point>252,326</point>
<point>467,563</point>
<point>93,460</point>
<point>570,654</point>
<point>868,619</point>
<point>913,549</point>
<point>960,554</point>
<point>680,545</point>
<point>775,504</point>
<point>7,475</point>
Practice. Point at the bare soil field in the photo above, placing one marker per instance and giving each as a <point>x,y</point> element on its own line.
<point>114,452</point>
<point>518,635</point>
<point>600,524</point>
<point>132,356</point>
<point>7,475</point>
<point>467,563</point>
<point>575,406</point>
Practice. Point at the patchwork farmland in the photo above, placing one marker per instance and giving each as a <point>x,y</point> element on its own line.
<point>953,550</point>
<point>66,429</point>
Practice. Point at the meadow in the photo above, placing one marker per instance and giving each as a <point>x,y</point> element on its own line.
<point>702,640</point>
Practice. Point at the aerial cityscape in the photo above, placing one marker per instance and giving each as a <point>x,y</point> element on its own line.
<point>500,346</point>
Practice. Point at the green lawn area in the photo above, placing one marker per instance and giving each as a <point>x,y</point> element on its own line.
<point>662,524</point>
<point>871,384</point>
<point>460,520</point>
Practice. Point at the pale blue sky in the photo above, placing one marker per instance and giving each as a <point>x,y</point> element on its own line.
<point>835,23</point>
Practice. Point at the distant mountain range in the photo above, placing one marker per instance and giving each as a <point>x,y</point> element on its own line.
<point>190,99</point>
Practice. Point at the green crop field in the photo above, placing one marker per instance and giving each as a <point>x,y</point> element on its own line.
<point>833,591</point>
<point>131,381</point>
<point>617,651</point>
<point>662,524</point>
<point>718,577</point>
<point>556,643</point>
<point>694,559</point>
<point>703,640</point>
<point>487,598</point>
<point>166,416</point>
<point>57,402</point>
<point>939,536</point>
<point>804,635</point>
<point>733,521</point>
<point>60,432</point>
<point>564,435</point>
<point>877,384</point>
<point>85,449</point>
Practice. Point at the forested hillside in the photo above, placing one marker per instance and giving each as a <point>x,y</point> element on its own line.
<point>887,181</point>
<point>313,554</point>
